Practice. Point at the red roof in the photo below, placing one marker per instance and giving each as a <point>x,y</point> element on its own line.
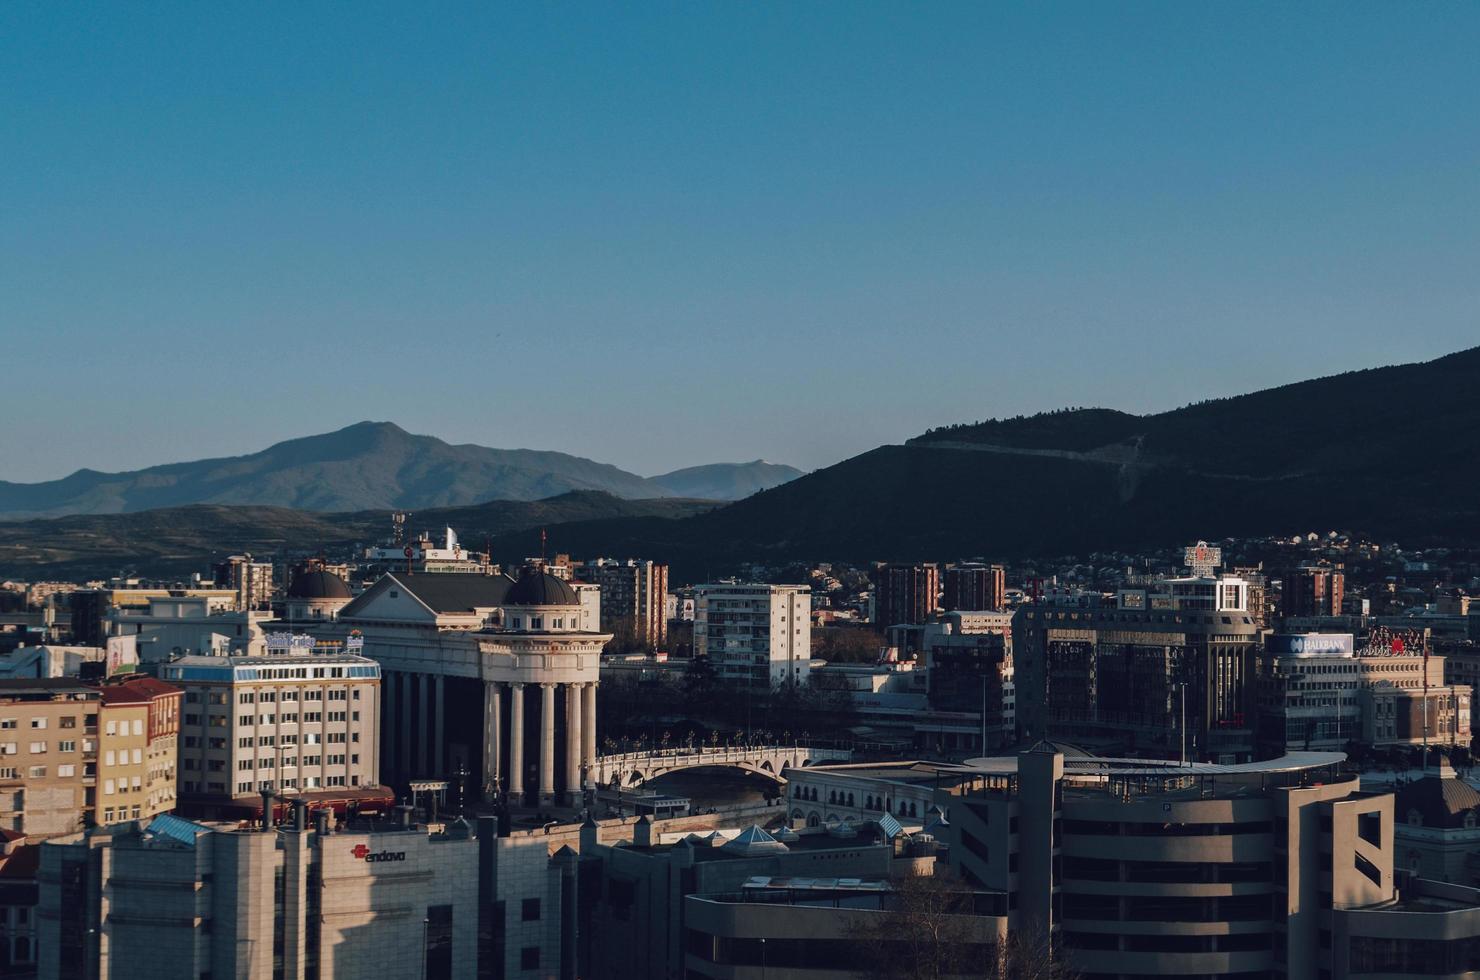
<point>22,862</point>
<point>136,690</point>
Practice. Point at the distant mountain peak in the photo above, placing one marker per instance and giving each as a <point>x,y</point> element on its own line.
<point>364,466</point>
<point>727,481</point>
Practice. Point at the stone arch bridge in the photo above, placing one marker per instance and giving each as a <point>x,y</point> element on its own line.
<point>628,769</point>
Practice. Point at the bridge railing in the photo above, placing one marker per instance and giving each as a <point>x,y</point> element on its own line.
<point>724,753</point>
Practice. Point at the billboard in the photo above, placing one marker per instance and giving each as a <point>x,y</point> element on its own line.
<point>1311,644</point>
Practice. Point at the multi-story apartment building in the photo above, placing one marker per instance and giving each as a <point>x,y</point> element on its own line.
<point>633,599</point>
<point>1318,691</point>
<point>905,593</point>
<point>308,723</point>
<point>1313,590</point>
<point>1167,663</point>
<point>756,634</point>
<point>973,586</point>
<point>250,580</point>
<point>48,755</point>
<point>138,745</point>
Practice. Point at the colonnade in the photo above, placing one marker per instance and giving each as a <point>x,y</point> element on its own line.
<point>580,742</point>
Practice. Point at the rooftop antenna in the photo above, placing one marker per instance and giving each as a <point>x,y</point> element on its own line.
<point>542,546</point>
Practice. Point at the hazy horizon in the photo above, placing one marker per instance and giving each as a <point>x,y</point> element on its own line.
<point>676,235</point>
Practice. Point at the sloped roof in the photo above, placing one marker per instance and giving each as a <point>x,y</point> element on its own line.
<point>136,690</point>
<point>753,841</point>
<point>1441,801</point>
<point>443,592</point>
<point>177,829</point>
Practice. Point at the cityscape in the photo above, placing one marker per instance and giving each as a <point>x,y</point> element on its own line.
<point>740,492</point>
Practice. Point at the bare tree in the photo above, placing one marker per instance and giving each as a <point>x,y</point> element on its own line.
<point>933,931</point>
<point>927,934</point>
<point>1029,954</point>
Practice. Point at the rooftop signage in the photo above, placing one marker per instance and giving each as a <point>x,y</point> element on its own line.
<point>1312,644</point>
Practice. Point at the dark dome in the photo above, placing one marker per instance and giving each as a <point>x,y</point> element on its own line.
<point>536,588</point>
<point>318,585</point>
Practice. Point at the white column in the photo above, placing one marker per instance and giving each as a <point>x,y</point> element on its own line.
<point>439,764</point>
<point>491,737</point>
<point>516,744</point>
<point>573,743</point>
<point>588,724</point>
<point>403,698</point>
<point>547,743</point>
<point>423,743</point>
<point>386,730</point>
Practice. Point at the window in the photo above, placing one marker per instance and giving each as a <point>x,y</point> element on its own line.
<point>529,910</point>
<point>109,759</point>
<point>69,721</point>
<point>38,772</point>
<point>138,726</point>
<point>68,746</point>
<point>111,728</point>
<point>7,723</point>
<point>38,748</point>
<point>529,958</point>
<point>109,787</point>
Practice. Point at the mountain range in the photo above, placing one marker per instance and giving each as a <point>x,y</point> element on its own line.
<point>175,541</point>
<point>1387,452</point>
<point>367,466</point>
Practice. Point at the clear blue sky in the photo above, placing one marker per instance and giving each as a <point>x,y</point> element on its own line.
<point>660,235</point>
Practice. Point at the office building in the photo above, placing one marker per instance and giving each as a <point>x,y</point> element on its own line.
<point>179,625</point>
<point>633,600</point>
<point>975,587</point>
<point>1319,692</point>
<point>90,608</point>
<point>1119,674</point>
<point>639,919</point>
<point>1313,590</point>
<point>177,900</point>
<point>755,634</point>
<point>1145,870</point>
<point>969,683</point>
<point>308,723</point>
<point>905,593</point>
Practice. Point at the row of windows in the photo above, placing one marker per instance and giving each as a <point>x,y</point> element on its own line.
<point>38,748</point>
<point>267,762</point>
<point>287,782</point>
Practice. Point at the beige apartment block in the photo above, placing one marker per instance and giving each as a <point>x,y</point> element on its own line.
<point>48,755</point>
<point>138,749</point>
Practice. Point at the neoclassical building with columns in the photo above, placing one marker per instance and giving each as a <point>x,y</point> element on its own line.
<point>486,680</point>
